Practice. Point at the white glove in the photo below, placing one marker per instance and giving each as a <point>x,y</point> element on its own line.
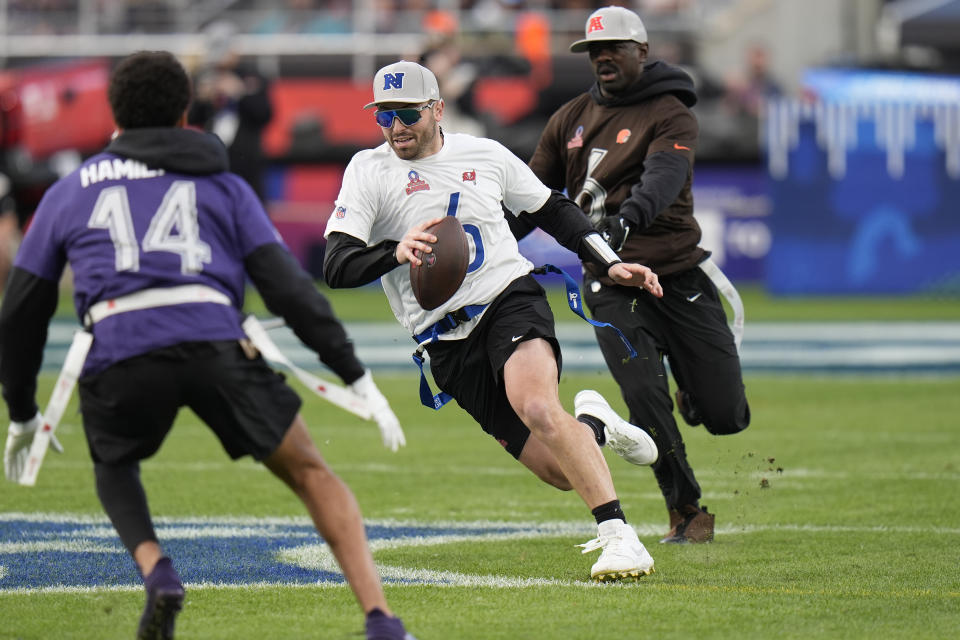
<point>390,430</point>
<point>19,438</point>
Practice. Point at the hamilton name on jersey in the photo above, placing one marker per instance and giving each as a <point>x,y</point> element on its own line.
<point>116,169</point>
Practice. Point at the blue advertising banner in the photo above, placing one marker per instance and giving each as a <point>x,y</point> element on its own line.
<point>732,206</point>
<point>865,185</point>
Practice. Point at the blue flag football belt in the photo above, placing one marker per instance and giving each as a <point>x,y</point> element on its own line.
<point>465,314</point>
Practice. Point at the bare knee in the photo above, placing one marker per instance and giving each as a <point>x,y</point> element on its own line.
<point>308,474</point>
<point>541,417</point>
<point>297,461</point>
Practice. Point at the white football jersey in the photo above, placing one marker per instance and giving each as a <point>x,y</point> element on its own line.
<point>382,197</point>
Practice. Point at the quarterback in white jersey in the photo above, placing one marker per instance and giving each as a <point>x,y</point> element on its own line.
<point>492,345</point>
<point>382,197</point>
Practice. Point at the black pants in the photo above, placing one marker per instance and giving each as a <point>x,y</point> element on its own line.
<point>129,408</point>
<point>688,326</point>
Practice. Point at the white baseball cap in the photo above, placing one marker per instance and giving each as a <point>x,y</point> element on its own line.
<point>611,23</point>
<point>404,81</point>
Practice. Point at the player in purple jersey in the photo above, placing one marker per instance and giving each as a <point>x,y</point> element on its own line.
<point>161,238</point>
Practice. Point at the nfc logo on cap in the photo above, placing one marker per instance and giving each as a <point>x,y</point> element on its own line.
<point>394,80</point>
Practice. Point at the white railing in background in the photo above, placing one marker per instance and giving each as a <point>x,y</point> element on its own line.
<point>836,131</point>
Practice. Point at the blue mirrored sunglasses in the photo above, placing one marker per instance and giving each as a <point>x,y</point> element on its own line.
<point>408,117</point>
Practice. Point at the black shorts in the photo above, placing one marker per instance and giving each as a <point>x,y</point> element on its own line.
<point>129,408</point>
<point>471,369</point>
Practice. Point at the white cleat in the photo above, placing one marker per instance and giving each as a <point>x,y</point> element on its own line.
<point>628,441</point>
<point>624,558</point>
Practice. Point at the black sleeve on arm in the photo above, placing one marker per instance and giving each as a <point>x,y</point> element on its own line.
<point>28,304</point>
<point>567,222</point>
<point>349,262</point>
<point>520,226</point>
<point>664,175</point>
<point>289,292</point>
<point>562,219</point>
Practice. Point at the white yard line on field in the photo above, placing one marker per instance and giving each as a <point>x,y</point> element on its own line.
<point>790,473</point>
<point>92,533</point>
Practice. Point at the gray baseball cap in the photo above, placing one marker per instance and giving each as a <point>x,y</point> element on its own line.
<point>404,81</point>
<point>611,23</point>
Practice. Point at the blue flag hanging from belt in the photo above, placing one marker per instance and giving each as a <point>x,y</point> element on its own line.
<point>464,314</point>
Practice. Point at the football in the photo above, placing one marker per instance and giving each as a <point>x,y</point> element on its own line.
<point>442,270</point>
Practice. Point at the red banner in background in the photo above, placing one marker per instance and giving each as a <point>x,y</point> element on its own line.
<point>57,107</point>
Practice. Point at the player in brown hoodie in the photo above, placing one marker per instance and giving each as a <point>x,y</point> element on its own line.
<point>624,152</point>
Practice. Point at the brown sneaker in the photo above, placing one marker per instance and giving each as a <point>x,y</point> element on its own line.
<point>689,412</point>
<point>675,520</point>
<point>689,523</point>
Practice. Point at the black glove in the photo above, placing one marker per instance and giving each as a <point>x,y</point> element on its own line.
<point>615,230</point>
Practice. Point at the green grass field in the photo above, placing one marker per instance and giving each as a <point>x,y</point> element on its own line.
<point>837,516</point>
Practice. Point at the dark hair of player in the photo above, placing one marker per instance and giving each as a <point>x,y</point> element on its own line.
<point>148,89</point>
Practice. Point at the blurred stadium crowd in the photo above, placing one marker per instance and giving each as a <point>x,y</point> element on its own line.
<point>288,16</point>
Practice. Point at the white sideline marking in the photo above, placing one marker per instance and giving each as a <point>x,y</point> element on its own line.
<point>74,546</point>
<point>318,556</point>
<point>519,471</point>
<point>252,525</point>
<point>186,532</point>
<point>697,588</point>
<point>864,475</point>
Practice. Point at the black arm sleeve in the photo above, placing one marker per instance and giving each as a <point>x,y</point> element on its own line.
<point>349,262</point>
<point>520,226</point>
<point>28,304</point>
<point>289,292</point>
<point>562,219</point>
<point>567,223</point>
<point>664,175</point>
